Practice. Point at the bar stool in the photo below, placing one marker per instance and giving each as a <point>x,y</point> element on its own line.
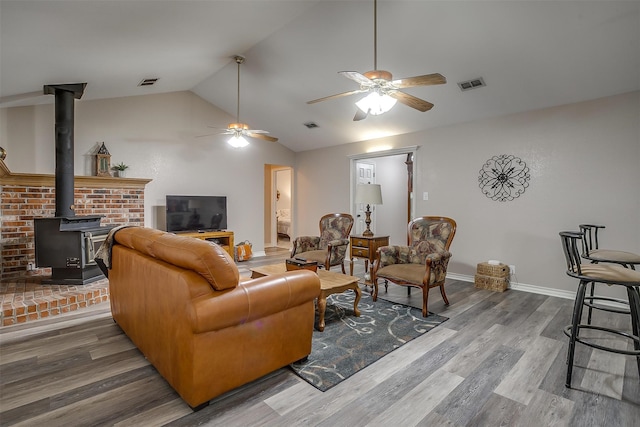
<point>593,253</point>
<point>610,274</point>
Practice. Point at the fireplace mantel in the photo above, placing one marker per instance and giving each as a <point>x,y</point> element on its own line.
<point>39,180</point>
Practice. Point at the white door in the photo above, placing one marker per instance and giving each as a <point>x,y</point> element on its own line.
<point>365,174</point>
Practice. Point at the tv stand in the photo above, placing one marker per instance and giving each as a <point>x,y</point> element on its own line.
<point>223,238</point>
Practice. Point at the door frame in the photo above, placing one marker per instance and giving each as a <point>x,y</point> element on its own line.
<point>354,158</point>
<point>274,189</point>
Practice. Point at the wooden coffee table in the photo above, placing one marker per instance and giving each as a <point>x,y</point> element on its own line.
<point>330,283</point>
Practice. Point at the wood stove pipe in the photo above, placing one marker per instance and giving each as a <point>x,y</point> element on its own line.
<point>64,115</point>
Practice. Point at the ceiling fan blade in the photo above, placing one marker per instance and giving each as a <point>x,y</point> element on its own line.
<point>360,115</point>
<point>410,100</point>
<point>357,77</point>
<point>204,136</point>
<point>262,136</point>
<point>427,79</point>
<point>339,95</point>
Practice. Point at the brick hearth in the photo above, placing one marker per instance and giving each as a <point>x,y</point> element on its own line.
<point>24,197</point>
<point>28,299</point>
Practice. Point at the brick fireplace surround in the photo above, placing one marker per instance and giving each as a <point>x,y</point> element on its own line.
<point>27,196</point>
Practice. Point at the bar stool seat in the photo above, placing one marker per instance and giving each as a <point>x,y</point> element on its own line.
<point>612,275</point>
<point>613,256</point>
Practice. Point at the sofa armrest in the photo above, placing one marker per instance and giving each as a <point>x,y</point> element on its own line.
<point>254,299</point>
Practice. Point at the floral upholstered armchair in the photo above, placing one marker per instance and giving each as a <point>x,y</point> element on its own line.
<point>423,263</point>
<point>330,248</point>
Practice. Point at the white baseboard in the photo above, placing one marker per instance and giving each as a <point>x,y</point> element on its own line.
<point>534,289</point>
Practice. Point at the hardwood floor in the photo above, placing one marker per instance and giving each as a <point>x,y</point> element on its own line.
<point>498,360</point>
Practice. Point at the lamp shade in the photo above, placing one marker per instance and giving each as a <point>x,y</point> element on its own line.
<point>370,194</point>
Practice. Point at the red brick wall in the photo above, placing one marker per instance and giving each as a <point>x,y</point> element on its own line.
<point>19,204</point>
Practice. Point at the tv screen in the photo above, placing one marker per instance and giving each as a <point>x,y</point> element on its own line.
<point>196,213</point>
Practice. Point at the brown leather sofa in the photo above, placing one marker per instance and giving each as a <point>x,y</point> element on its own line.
<point>180,300</point>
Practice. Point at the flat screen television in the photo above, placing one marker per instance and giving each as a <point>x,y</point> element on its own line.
<point>196,213</point>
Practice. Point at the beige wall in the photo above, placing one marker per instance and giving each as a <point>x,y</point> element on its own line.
<point>584,163</point>
<point>584,160</point>
<point>156,136</point>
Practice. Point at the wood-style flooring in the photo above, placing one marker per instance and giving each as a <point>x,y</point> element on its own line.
<point>498,361</point>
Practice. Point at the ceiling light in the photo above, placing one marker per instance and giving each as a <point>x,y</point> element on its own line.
<point>376,104</point>
<point>238,141</point>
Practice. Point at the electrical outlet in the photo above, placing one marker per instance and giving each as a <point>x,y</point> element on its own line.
<point>425,195</point>
<point>30,267</point>
<point>512,269</point>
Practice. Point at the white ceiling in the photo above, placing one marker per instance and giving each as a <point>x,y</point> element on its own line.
<point>532,54</point>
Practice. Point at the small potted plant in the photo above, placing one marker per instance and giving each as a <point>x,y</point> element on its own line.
<point>119,169</point>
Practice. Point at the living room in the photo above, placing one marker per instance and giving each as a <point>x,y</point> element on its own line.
<point>582,153</point>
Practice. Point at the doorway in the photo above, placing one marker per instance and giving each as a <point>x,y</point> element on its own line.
<point>278,214</point>
<point>393,171</point>
<point>284,223</point>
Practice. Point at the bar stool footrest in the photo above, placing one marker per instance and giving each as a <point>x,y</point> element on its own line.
<point>567,332</point>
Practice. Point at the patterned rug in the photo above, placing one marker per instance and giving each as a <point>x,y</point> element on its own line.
<point>351,343</point>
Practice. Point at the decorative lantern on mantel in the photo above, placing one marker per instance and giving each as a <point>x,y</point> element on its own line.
<point>103,161</point>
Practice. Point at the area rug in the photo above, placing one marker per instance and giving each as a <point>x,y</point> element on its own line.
<point>351,343</point>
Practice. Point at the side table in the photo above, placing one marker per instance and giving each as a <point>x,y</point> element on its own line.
<point>365,247</point>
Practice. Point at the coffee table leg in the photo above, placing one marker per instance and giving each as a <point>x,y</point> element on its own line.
<point>358,292</point>
<point>322,306</point>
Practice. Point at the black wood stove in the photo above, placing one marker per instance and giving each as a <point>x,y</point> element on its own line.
<point>66,242</point>
<point>68,245</point>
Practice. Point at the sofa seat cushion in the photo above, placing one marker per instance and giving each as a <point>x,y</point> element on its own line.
<point>205,258</point>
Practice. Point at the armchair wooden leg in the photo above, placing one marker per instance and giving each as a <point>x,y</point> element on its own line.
<point>343,270</point>
<point>444,295</point>
<point>425,300</point>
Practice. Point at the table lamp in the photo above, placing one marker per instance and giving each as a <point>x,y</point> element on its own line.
<point>371,195</point>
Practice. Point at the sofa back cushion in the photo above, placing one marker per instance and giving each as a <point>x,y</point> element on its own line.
<point>205,258</point>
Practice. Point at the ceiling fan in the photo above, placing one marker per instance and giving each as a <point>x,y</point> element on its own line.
<point>240,130</point>
<point>383,92</point>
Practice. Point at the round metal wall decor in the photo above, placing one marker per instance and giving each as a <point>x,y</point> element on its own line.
<point>503,178</point>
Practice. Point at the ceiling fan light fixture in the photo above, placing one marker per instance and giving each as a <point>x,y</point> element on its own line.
<point>238,141</point>
<point>376,104</point>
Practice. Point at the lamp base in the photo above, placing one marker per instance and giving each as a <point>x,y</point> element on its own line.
<point>367,232</point>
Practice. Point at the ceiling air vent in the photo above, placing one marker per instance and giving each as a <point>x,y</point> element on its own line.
<point>311,125</point>
<point>148,82</point>
<point>472,84</point>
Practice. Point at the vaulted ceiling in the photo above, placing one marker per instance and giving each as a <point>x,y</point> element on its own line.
<point>531,54</point>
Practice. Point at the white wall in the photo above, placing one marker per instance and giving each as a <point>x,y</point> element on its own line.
<point>156,136</point>
<point>584,162</point>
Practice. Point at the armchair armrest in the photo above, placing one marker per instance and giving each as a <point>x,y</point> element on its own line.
<point>338,242</point>
<point>305,244</point>
<point>436,267</point>
<point>387,255</point>
<point>254,299</point>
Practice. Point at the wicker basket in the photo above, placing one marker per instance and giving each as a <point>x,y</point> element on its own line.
<point>486,269</point>
<point>499,284</point>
